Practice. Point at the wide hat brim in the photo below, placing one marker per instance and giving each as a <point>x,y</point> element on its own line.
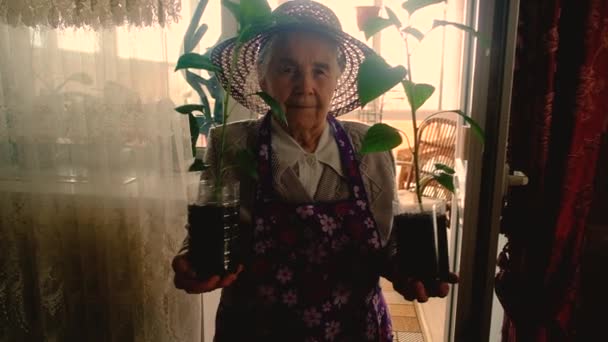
<point>309,16</point>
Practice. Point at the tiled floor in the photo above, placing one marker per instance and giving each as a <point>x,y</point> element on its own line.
<point>403,315</point>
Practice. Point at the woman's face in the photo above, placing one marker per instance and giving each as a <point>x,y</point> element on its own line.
<point>302,74</point>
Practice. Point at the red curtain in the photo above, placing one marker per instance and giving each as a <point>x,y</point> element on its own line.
<point>558,114</point>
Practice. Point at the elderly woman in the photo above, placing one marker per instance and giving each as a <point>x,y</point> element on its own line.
<point>320,216</point>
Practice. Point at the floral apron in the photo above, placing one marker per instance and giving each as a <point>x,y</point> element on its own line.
<point>313,273</point>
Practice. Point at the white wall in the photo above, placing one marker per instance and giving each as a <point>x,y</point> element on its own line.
<point>433,315</point>
<point>210,303</point>
<point>497,311</point>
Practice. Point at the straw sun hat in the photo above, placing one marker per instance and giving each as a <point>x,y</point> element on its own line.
<point>304,15</point>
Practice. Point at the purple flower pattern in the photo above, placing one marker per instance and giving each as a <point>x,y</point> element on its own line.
<point>371,331</point>
<point>327,224</point>
<point>341,296</point>
<point>339,243</point>
<point>259,225</point>
<point>316,253</point>
<point>260,247</point>
<point>362,204</point>
<point>290,298</point>
<point>312,317</point>
<point>284,275</point>
<point>267,293</point>
<point>356,191</point>
<point>305,211</point>
<point>331,330</point>
<point>374,240</point>
<point>264,151</point>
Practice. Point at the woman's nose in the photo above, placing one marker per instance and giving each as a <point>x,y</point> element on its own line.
<point>304,83</point>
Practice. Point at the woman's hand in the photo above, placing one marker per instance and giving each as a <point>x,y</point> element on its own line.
<point>411,288</point>
<point>185,277</point>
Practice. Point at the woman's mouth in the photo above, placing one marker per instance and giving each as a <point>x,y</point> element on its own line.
<point>299,106</point>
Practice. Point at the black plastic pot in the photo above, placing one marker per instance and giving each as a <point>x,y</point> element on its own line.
<point>422,248</point>
<point>213,226</point>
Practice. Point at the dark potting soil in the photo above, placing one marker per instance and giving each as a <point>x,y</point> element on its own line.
<point>213,238</point>
<point>416,253</point>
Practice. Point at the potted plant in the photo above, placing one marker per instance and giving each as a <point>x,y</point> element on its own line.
<point>421,234</point>
<point>213,209</point>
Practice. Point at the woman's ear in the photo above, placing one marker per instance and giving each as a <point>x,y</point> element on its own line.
<point>261,78</point>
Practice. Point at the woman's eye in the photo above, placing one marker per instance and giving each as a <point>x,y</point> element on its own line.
<point>319,72</point>
<point>287,69</point>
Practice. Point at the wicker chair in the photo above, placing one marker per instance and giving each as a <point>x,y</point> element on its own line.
<point>372,114</point>
<point>437,145</point>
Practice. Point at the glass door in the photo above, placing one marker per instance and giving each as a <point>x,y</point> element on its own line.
<point>474,313</point>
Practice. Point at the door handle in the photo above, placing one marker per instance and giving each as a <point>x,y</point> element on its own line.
<point>518,178</point>
<point>513,178</point>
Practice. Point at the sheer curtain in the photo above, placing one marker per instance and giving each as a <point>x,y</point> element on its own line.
<point>92,172</point>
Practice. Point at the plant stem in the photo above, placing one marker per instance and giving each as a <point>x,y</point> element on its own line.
<point>220,170</point>
<point>415,127</point>
<point>219,173</point>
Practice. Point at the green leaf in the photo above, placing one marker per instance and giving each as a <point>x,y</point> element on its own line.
<point>189,108</point>
<point>275,107</point>
<point>247,163</point>
<point>466,28</point>
<point>414,32</point>
<point>205,127</point>
<point>463,27</point>
<point>375,77</point>
<point>393,17</point>
<point>474,126</point>
<point>379,138</point>
<point>189,43</point>
<point>249,12</point>
<point>194,81</point>
<point>197,82</point>
<point>194,132</point>
<point>195,61</point>
<point>198,35</point>
<point>483,40</point>
<point>375,25</point>
<point>253,30</point>
<point>444,168</point>
<point>200,121</point>
<point>412,6</point>
<point>417,94</point>
<point>235,9</point>
<point>446,180</point>
<point>255,11</point>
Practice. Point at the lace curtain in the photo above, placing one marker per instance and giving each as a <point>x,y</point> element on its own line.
<point>89,13</point>
<point>92,172</point>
